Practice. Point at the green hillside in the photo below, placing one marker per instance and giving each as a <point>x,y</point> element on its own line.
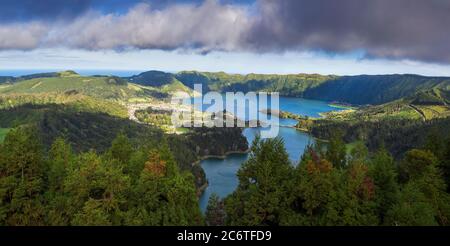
<point>425,105</point>
<point>360,90</point>
<point>112,88</point>
<point>288,85</point>
<point>166,82</point>
<point>375,89</point>
<point>152,78</point>
<point>77,102</point>
<point>74,93</point>
<point>11,79</point>
<point>398,125</point>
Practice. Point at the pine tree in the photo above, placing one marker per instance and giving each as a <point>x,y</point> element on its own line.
<point>314,184</point>
<point>359,153</point>
<point>21,180</point>
<point>417,163</point>
<point>264,181</point>
<point>121,148</point>
<point>336,151</point>
<point>411,209</point>
<point>163,195</point>
<point>215,211</point>
<point>99,181</point>
<point>92,214</point>
<point>444,164</point>
<point>420,168</point>
<point>384,174</point>
<point>60,162</point>
<point>359,207</point>
<point>435,143</point>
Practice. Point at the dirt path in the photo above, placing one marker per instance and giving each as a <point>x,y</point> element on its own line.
<point>424,118</point>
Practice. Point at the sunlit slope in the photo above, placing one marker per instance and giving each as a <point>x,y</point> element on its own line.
<point>425,105</point>
<point>77,102</point>
<point>101,87</point>
<point>96,94</point>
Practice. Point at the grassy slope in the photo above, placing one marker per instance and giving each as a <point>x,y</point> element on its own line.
<point>103,87</point>
<point>422,106</point>
<point>78,102</point>
<point>100,87</point>
<point>399,125</point>
<point>90,94</point>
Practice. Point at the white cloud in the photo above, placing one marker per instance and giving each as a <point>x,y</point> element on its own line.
<point>267,27</point>
<point>205,27</point>
<point>22,36</point>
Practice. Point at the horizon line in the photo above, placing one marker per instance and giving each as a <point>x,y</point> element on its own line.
<point>4,72</point>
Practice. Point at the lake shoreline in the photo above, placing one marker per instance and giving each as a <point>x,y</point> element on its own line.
<point>313,110</point>
<point>202,188</point>
<point>224,156</point>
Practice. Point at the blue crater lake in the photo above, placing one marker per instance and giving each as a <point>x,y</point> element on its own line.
<point>221,173</point>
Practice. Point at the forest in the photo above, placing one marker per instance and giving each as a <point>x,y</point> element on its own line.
<point>330,187</point>
<point>129,185</point>
<point>123,186</point>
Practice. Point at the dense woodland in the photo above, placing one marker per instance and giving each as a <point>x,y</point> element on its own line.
<point>329,187</point>
<point>397,136</point>
<point>91,131</point>
<point>144,185</point>
<point>123,186</point>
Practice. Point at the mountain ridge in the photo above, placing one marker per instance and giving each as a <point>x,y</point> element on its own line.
<point>351,89</point>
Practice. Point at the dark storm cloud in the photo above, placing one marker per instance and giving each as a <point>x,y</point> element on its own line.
<point>413,29</point>
<point>393,29</point>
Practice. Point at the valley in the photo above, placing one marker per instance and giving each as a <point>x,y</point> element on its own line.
<point>99,117</point>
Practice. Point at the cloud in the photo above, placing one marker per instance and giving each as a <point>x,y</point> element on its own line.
<point>411,29</point>
<point>200,27</point>
<point>392,29</point>
<point>209,26</point>
<point>22,36</point>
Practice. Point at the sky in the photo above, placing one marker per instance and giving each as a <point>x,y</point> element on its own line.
<point>344,37</point>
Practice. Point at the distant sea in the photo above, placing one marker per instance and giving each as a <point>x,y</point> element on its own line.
<point>84,72</point>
